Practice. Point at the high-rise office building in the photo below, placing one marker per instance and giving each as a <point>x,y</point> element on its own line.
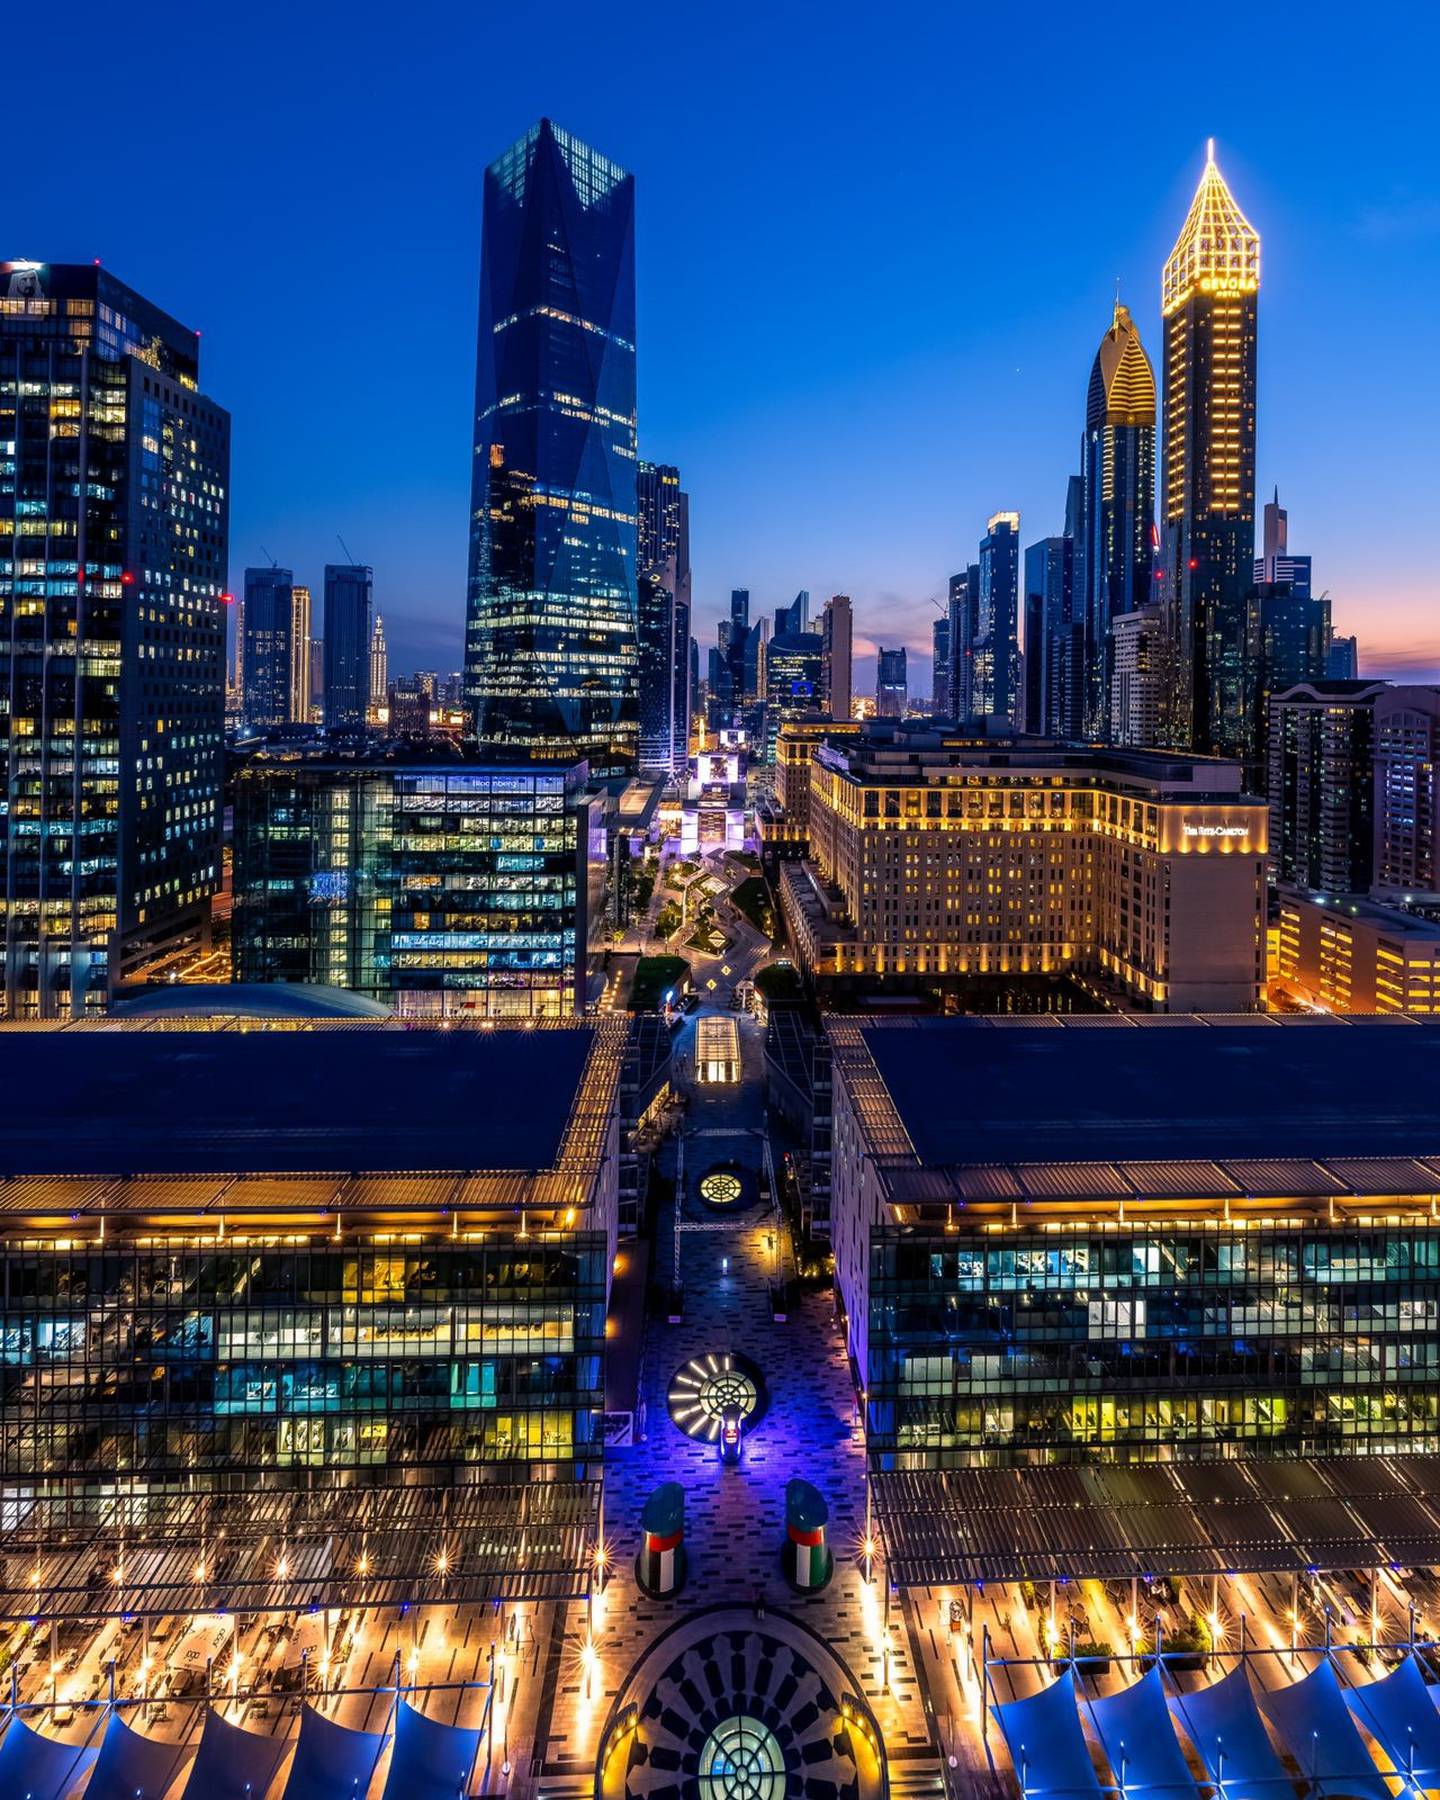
<point>1322,785</point>
<point>794,618</point>
<point>1054,660</point>
<point>379,669</point>
<point>940,667</point>
<point>1407,792</point>
<point>267,656</point>
<point>1138,669</point>
<point>837,632</point>
<point>551,648</point>
<point>995,667</point>
<point>299,654</point>
<point>349,617</point>
<point>1342,660</point>
<point>794,677</point>
<point>114,509</point>
<point>317,680</point>
<point>1209,296</point>
<point>892,688</point>
<point>962,609</point>
<point>663,584</point>
<point>1117,502</point>
<point>1275,563</point>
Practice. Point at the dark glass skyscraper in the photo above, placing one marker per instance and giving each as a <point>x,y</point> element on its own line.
<point>663,583</point>
<point>551,654</point>
<point>962,610</point>
<point>268,647</point>
<point>1117,503</point>
<point>995,663</point>
<point>349,623</point>
<point>114,507</point>
<point>1053,640</point>
<point>892,690</point>
<point>1209,296</point>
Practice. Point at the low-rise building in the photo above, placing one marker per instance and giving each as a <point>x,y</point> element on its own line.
<point>1349,953</point>
<point>1135,1239</point>
<point>270,1275</point>
<point>939,861</point>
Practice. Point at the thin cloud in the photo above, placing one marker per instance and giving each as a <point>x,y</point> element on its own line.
<point>1405,219</point>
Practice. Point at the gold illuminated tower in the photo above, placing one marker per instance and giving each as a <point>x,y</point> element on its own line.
<point>1209,294</point>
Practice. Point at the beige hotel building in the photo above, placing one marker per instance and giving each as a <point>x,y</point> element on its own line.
<point>936,859</point>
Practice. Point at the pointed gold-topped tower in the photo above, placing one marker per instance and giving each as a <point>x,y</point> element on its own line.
<point>1218,249</point>
<point>1122,383</point>
<point>1209,294</point>
<point>1117,464</point>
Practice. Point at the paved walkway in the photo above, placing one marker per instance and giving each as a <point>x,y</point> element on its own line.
<point>735,1515</point>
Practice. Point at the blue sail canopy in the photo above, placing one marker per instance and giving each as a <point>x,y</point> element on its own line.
<point>1399,1713</point>
<point>1312,1718</point>
<point>332,1762</point>
<point>1140,1744</point>
<point>232,1764</point>
<point>1047,1745</point>
<point>35,1767</point>
<point>132,1766</point>
<point>430,1761</point>
<point>1223,1722</point>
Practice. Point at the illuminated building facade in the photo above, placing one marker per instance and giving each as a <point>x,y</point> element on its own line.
<point>995,652</point>
<point>268,655</point>
<point>439,887</point>
<point>1115,556</point>
<point>1209,300</point>
<point>300,639</point>
<point>794,674</point>
<point>1407,791</point>
<point>304,1259</point>
<point>837,632</point>
<point>379,670</point>
<point>663,585</point>
<point>551,651</point>
<point>939,864</point>
<point>1128,1240</point>
<point>1139,665</point>
<point>1347,953</point>
<point>1322,786</point>
<point>114,509</point>
<point>349,626</point>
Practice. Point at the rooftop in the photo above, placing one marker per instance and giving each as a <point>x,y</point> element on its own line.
<point>1182,1088</point>
<point>1395,921</point>
<point>114,1100</point>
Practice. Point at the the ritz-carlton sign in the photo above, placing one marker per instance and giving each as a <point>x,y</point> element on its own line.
<point>1215,831</point>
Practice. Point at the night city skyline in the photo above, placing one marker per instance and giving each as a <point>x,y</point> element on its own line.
<point>847,403</point>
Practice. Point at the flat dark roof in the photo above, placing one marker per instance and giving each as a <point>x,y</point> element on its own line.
<point>1182,1090</point>
<point>358,1098</point>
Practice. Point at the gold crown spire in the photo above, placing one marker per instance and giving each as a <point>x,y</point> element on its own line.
<point>1218,249</point>
<point>1122,383</point>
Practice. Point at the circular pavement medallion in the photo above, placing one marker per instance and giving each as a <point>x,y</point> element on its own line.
<point>740,1760</point>
<point>704,1389</point>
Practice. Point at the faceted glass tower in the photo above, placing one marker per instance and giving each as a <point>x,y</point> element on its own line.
<point>1209,296</point>
<point>114,505</point>
<point>1117,502</point>
<point>551,656</point>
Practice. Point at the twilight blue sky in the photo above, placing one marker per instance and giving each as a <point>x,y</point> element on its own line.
<point>877,248</point>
